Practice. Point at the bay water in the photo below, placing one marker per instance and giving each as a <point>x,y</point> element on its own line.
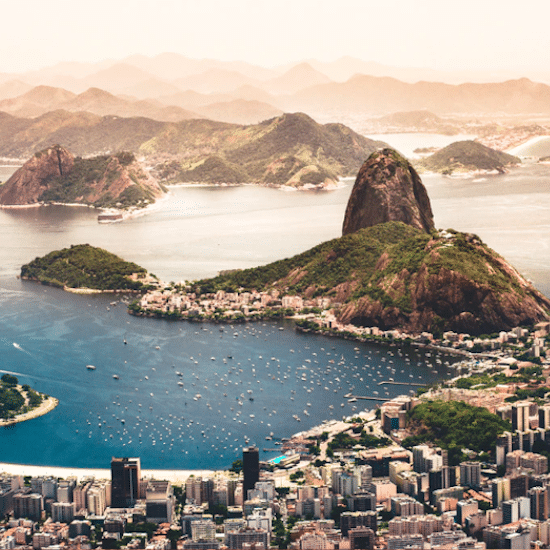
<point>236,384</point>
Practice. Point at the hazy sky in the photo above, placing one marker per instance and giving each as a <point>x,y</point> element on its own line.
<point>439,34</point>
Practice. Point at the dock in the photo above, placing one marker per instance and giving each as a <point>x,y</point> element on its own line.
<point>367,397</point>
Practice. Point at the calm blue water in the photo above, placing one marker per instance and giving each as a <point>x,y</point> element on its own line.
<point>271,376</point>
<point>197,232</point>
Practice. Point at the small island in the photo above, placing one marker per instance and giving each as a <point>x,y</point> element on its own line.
<point>84,269</point>
<point>19,403</point>
<point>467,156</point>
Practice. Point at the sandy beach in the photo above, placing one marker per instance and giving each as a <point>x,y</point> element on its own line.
<point>49,404</point>
<point>175,476</point>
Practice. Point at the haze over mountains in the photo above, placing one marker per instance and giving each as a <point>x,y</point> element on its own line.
<point>170,87</point>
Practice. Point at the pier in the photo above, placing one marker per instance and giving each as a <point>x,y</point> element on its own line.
<point>367,397</point>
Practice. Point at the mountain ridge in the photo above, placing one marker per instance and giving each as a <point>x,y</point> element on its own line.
<point>290,149</point>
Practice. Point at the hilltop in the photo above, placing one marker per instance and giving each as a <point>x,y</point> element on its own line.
<point>86,267</point>
<point>291,149</point>
<point>467,156</point>
<point>55,175</point>
<point>387,188</point>
<point>392,275</point>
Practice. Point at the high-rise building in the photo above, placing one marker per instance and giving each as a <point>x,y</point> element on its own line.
<point>520,416</point>
<point>30,505</point>
<point>125,479</point>
<point>361,538</point>
<point>500,490</point>
<point>351,520</point>
<point>470,474</point>
<point>159,502</point>
<point>465,508</point>
<point>539,503</point>
<point>203,529</point>
<point>251,469</point>
<point>63,512</point>
<point>514,510</point>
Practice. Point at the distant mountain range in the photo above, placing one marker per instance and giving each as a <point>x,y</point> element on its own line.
<point>171,87</point>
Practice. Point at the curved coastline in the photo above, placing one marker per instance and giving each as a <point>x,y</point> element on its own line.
<point>48,405</point>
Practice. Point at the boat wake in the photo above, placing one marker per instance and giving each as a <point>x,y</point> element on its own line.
<point>11,372</point>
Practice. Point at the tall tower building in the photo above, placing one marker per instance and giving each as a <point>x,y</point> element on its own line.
<point>520,416</point>
<point>470,474</point>
<point>125,479</point>
<point>251,469</point>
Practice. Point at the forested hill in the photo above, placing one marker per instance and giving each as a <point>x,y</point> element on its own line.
<point>392,275</point>
<point>86,267</point>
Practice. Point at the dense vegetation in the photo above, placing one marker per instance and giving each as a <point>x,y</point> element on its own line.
<point>84,266</point>
<point>83,179</point>
<point>355,260</point>
<point>454,425</point>
<point>462,156</point>
<point>12,399</point>
<point>343,440</point>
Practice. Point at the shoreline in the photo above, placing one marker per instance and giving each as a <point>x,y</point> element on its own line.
<point>99,473</point>
<point>48,405</point>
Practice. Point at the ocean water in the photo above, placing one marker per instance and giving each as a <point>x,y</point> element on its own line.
<point>254,379</point>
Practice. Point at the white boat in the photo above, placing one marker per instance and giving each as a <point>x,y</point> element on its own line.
<point>90,367</point>
<point>115,376</point>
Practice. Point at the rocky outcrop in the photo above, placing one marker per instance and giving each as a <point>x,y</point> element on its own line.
<point>387,189</point>
<point>451,300</point>
<point>54,175</point>
<point>31,180</point>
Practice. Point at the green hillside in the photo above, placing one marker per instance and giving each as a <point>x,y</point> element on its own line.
<point>392,275</point>
<point>85,266</point>
<point>455,425</point>
<point>83,179</point>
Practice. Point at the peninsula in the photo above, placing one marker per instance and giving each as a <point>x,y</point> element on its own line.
<point>20,402</point>
<point>390,270</point>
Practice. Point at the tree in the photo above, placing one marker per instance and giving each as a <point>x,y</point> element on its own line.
<point>9,380</point>
<point>237,466</point>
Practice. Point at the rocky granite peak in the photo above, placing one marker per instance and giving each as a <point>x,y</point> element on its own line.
<point>29,182</point>
<point>387,188</point>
